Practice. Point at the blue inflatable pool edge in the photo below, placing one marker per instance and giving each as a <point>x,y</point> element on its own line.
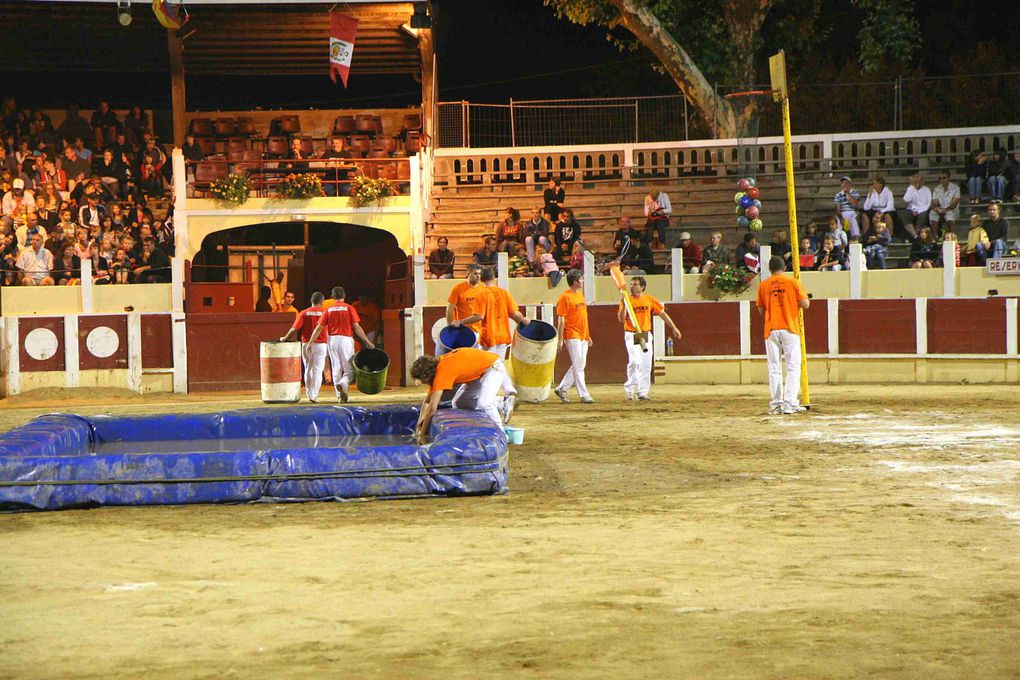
<point>57,461</point>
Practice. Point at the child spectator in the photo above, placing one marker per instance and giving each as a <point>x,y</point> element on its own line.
<point>716,253</point>
<point>975,251</point>
<point>747,253</point>
<point>807,254</point>
<point>576,258</point>
<point>830,257</point>
<point>547,266</point>
<point>924,252</point>
<point>119,268</point>
<point>876,244</point>
<point>518,265</point>
<point>812,233</point>
<point>102,259</point>
<point>780,244</point>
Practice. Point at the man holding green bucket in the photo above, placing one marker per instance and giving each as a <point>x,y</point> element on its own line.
<point>341,322</point>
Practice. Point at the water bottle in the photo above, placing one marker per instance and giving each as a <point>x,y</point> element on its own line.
<point>669,347</point>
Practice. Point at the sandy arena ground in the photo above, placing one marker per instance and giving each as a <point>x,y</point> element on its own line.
<point>693,536</point>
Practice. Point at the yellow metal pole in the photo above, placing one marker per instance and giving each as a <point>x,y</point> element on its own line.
<point>791,198</point>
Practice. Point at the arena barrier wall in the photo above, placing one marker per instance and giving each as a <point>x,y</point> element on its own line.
<point>64,461</point>
<point>140,352</point>
<point>223,349</point>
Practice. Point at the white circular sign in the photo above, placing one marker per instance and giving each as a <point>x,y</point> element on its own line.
<point>102,341</point>
<point>41,343</point>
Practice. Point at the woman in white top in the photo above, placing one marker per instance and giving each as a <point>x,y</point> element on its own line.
<point>879,205</point>
<point>918,200</point>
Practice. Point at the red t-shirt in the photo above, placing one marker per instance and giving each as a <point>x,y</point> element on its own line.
<point>306,322</point>
<point>340,319</point>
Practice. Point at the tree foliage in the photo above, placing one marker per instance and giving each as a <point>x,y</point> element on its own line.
<point>724,45</point>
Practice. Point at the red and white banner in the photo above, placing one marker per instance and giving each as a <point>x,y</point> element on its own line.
<point>342,30</point>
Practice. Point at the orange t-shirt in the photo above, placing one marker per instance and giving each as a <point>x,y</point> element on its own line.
<point>461,366</point>
<point>644,307</point>
<point>574,310</point>
<point>779,296</point>
<point>499,305</point>
<point>468,300</point>
<point>369,313</point>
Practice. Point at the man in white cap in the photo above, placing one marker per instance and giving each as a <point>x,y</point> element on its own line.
<point>17,203</point>
<point>693,258</point>
<point>846,204</point>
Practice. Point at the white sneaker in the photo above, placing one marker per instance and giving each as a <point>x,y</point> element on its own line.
<point>562,394</point>
<point>796,409</point>
<point>775,410</point>
<point>631,396</point>
<point>509,402</point>
<point>587,400</point>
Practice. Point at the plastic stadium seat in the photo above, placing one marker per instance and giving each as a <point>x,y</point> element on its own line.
<point>237,144</point>
<point>360,145</point>
<point>413,144</point>
<point>412,121</point>
<point>201,127</point>
<point>343,126</point>
<point>403,170</point>
<point>207,145</point>
<point>378,153</point>
<point>377,122</point>
<point>246,127</point>
<point>386,144</point>
<point>290,125</point>
<point>277,147</point>
<point>364,125</point>
<point>306,147</point>
<point>226,127</point>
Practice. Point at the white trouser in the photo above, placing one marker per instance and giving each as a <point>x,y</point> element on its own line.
<point>851,217</point>
<point>315,361</point>
<point>578,351</point>
<point>783,344</point>
<point>500,351</point>
<point>480,395</point>
<point>341,351</point>
<point>639,365</point>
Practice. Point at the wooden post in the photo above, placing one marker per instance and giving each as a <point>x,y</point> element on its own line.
<point>175,47</point>
<point>426,49</point>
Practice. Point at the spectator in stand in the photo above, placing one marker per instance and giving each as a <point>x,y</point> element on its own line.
<point>82,244</point>
<point>129,173</point>
<point>46,204</point>
<point>76,169</point>
<point>879,205</point>
<point>546,265</point>
<point>487,256</point>
<point>40,127</point>
<point>715,253</point>
<point>16,204</point>
<point>51,174</point>
<point>139,216</point>
<point>22,153</point>
<point>103,118</point>
<point>997,229</point>
<point>67,222</point>
<point>924,253</point>
<point>35,263</point>
<point>918,200</point>
<point>121,145</point>
<point>339,175</point>
<point>510,232</point>
<point>811,230</point>
<point>73,125</point>
<point>639,258</point>
<point>296,153</point>
<point>7,162</point>
<point>56,241</point>
<point>151,183</point>
<point>693,258</point>
<point>977,175</point>
<point>847,204</point>
<point>536,233</point>
<point>807,254</point>
<point>8,260</point>
<point>975,251</point>
<point>109,172</point>
<point>655,244</point>
<point>136,123</point>
<point>116,215</point>
<point>657,211</point>
<point>945,202</point>
<point>153,264</point>
<point>746,253</point>
<point>120,267</point>
<point>623,236</point>
<point>83,151</point>
<point>519,265</point>
<point>263,304</point>
<point>192,150</point>
<point>576,258</point>
<point>830,257</point>
<point>102,258</point>
<point>441,260</point>
<point>150,147</point>
<point>568,231</point>
<point>66,267</point>
<point>997,169</point>
<point>876,244</point>
<point>780,244</point>
<point>837,233</point>
<point>1014,173</point>
<point>554,197</point>
<point>92,212</point>
<point>25,231</point>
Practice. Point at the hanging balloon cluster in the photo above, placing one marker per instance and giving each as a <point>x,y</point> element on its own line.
<point>748,205</point>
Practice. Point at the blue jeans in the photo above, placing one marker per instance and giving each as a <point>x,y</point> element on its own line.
<point>658,225</point>
<point>998,247</point>
<point>980,254</point>
<point>997,186</point>
<point>529,244</point>
<point>974,187</point>
<point>875,255</point>
<point>1016,184</point>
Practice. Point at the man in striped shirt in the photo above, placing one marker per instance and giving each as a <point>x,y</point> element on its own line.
<point>847,203</point>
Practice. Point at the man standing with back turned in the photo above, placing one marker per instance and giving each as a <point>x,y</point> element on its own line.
<point>779,298</point>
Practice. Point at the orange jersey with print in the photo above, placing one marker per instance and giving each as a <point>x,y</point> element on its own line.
<point>574,310</point>
<point>499,305</point>
<point>645,306</point>
<point>461,366</point>
<point>306,322</point>
<point>468,300</point>
<point>369,314</point>
<point>340,319</point>
<point>779,296</point>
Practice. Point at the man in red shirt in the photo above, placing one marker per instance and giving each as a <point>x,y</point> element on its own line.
<point>314,351</point>
<point>341,322</point>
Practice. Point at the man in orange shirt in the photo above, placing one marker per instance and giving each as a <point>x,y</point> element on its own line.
<point>465,300</point>
<point>779,299</point>
<point>572,327</point>
<point>340,323</point>
<point>639,362</point>
<point>369,313</point>
<point>314,350</point>
<point>288,304</point>
<point>475,373</point>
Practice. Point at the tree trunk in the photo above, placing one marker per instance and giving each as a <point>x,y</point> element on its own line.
<point>726,118</point>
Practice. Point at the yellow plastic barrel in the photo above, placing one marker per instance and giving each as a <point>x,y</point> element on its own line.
<point>533,357</point>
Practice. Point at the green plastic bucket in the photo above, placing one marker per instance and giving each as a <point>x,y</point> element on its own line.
<point>370,367</point>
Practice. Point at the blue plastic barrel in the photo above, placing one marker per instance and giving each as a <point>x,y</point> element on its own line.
<point>455,337</point>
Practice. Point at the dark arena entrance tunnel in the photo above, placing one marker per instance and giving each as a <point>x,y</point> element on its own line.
<point>313,256</point>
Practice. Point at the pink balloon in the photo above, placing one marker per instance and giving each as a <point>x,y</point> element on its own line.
<point>752,213</point>
<point>743,185</point>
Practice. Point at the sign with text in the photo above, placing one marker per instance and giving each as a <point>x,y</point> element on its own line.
<point>1003,265</point>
